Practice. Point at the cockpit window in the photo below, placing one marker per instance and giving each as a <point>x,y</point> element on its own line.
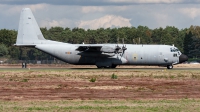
<point>178,53</point>
<point>174,49</point>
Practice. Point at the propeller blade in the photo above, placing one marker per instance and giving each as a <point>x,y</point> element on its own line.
<point>117,40</point>
<point>133,41</point>
<point>117,48</point>
<point>123,41</point>
<point>123,47</point>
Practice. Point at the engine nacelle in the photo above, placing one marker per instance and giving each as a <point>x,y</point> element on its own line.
<point>107,49</point>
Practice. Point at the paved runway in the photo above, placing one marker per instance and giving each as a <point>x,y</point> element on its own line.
<point>54,69</point>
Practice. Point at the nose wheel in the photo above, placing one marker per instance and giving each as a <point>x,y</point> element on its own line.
<point>169,66</point>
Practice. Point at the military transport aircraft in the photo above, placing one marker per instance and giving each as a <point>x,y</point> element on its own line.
<point>101,55</point>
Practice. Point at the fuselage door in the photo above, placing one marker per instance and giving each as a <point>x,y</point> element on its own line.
<point>161,57</point>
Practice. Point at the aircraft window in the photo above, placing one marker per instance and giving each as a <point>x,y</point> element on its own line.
<point>174,50</point>
<point>175,55</point>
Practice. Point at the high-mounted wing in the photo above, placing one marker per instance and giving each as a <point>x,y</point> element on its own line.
<point>89,48</point>
<point>94,48</point>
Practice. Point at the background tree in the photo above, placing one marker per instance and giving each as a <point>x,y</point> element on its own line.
<point>187,40</point>
<point>3,50</point>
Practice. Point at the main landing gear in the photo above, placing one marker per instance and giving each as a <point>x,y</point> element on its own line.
<point>169,66</point>
<point>112,66</point>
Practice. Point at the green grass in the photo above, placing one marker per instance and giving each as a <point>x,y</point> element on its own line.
<point>113,76</point>
<point>181,105</point>
<point>85,73</point>
<point>92,79</point>
<point>24,80</point>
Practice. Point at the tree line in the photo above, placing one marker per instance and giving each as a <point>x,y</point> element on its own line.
<point>187,40</point>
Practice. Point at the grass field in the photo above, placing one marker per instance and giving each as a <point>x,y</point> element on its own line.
<point>71,90</point>
<point>180,105</point>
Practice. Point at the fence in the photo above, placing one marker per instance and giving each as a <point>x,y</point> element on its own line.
<point>34,61</point>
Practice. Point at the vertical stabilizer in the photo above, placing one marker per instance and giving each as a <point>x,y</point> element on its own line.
<point>28,32</point>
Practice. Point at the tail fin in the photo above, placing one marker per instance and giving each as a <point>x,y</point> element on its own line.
<point>29,33</point>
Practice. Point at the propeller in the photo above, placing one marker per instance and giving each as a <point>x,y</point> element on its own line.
<point>124,46</point>
<point>133,41</point>
<point>117,48</point>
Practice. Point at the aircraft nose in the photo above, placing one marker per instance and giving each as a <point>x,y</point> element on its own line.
<point>182,58</point>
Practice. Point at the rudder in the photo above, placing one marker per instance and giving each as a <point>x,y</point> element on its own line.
<point>29,32</point>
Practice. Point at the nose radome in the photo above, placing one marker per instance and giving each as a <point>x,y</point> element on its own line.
<point>182,58</point>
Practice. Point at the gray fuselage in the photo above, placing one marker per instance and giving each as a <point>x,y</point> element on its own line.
<point>134,55</point>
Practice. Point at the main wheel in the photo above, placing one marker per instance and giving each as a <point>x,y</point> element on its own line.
<point>169,66</point>
<point>113,66</point>
<point>99,67</point>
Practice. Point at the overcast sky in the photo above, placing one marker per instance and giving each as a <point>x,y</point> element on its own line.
<point>95,14</point>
